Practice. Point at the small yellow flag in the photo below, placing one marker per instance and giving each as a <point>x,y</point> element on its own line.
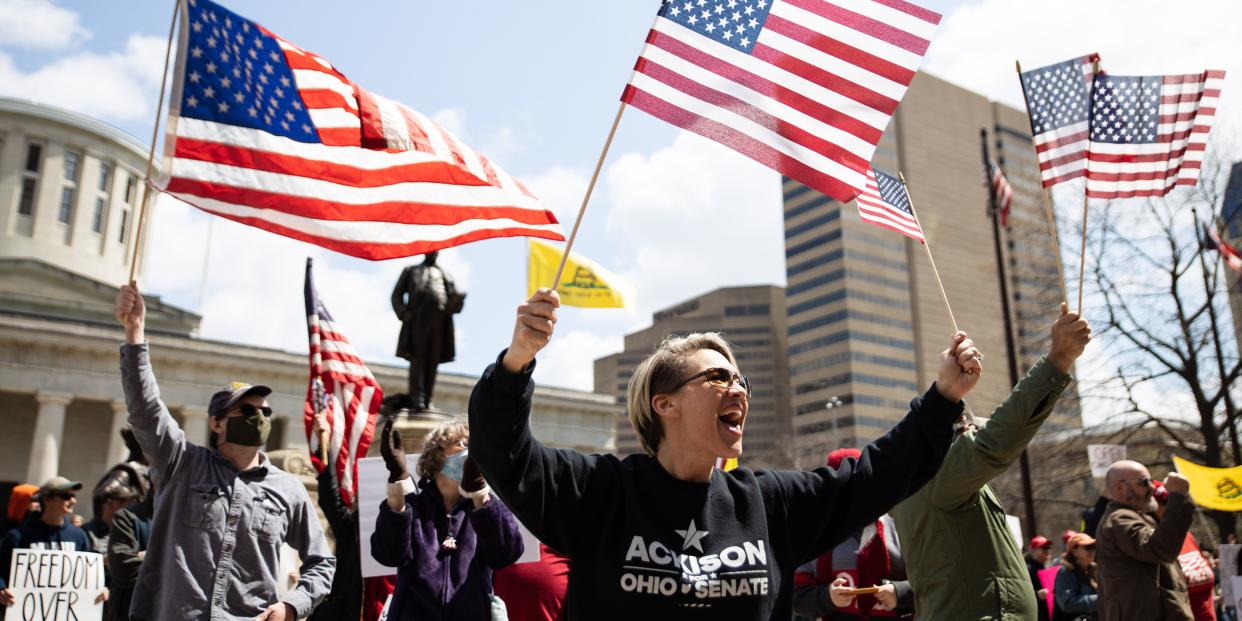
<point>729,464</point>
<point>1213,488</point>
<point>583,283</point>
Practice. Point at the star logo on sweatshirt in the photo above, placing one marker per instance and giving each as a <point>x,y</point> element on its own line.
<point>692,537</point>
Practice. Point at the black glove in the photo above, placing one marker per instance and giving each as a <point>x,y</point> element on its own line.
<point>393,453</point>
<point>471,478</point>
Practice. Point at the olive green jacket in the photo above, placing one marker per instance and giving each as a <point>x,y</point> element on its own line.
<point>961,557</point>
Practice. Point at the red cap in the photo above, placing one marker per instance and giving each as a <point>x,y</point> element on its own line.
<point>1065,536</point>
<point>836,457</point>
<point>1039,541</point>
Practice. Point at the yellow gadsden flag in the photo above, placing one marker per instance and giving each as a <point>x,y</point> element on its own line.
<point>1213,488</point>
<point>583,283</point>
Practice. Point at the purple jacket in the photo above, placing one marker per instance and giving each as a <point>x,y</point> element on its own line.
<point>434,583</point>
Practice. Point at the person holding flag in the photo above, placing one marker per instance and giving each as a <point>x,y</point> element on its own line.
<point>667,533</point>
<point>962,559</point>
<point>224,511</point>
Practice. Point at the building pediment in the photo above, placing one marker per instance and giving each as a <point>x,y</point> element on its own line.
<point>35,288</point>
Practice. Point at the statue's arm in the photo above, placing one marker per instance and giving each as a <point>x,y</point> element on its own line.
<point>398,294</point>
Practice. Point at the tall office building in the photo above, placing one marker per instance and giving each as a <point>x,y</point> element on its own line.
<point>866,321</point>
<point>752,319</point>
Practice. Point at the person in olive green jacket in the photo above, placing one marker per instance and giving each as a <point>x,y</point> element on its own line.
<point>962,560</point>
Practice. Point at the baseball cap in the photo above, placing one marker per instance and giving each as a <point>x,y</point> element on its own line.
<point>58,484</point>
<point>1079,539</point>
<point>228,397</point>
<point>1039,541</point>
<point>1067,535</point>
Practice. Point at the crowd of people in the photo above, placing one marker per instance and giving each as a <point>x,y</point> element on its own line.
<point>905,527</point>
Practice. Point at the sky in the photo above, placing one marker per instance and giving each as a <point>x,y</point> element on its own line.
<point>534,85</point>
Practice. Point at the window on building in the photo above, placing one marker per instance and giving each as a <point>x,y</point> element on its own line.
<point>30,179</point>
<point>131,193</point>
<point>69,191</point>
<point>131,188</point>
<point>102,195</point>
<point>123,237</point>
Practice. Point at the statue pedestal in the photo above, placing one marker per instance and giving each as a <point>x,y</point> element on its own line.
<point>414,427</point>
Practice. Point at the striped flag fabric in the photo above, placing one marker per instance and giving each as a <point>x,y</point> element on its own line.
<point>886,202</point>
<point>265,133</point>
<point>1149,133</point>
<point>1230,255</point>
<point>342,387</point>
<point>805,87</point>
<point>1002,192</point>
<point>1057,101</point>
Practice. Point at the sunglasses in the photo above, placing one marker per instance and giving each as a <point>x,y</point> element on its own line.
<point>1144,481</point>
<point>64,495</point>
<point>718,377</point>
<point>249,410</point>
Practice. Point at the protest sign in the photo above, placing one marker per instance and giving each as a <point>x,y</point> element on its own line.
<point>55,585</point>
<point>1101,456</point>
<point>1228,568</point>
<point>372,482</point>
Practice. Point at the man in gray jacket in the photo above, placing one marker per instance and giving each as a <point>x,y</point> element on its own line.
<point>223,512</point>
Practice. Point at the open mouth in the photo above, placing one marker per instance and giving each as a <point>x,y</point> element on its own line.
<point>732,421</point>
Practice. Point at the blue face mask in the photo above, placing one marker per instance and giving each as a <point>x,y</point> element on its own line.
<point>454,465</point>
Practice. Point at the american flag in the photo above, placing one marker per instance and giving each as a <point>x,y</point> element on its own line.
<point>805,87</point>
<point>1002,192</point>
<point>265,133</point>
<point>1230,255</point>
<point>886,202</point>
<point>1056,100</point>
<point>342,387</point>
<point>1149,133</point>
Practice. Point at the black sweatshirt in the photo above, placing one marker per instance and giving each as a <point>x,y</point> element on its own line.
<point>647,546</point>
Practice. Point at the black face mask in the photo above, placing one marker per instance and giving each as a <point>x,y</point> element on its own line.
<point>248,430</point>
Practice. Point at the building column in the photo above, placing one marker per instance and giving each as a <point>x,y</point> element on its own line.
<point>117,451</point>
<point>195,424</point>
<point>48,436</point>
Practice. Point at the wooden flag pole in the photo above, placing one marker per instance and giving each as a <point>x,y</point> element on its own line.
<point>927,245</point>
<point>1046,195</point>
<point>1082,253</point>
<point>155,133</point>
<point>587,198</point>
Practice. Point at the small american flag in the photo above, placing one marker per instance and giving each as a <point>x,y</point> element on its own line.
<point>342,387</point>
<point>1230,255</point>
<point>886,202</point>
<point>805,87</point>
<point>1056,100</point>
<point>265,133</point>
<point>1149,133</point>
<point>1001,191</point>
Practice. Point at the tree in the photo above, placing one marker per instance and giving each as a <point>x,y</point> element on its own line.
<point>1161,311</point>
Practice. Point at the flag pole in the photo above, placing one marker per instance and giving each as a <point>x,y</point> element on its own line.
<point>927,245</point>
<point>587,198</point>
<point>155,133</point>
<point>1086,197</point>
<point>1046,195</point>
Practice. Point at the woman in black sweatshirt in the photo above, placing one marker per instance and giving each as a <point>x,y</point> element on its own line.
<point>666,533</point>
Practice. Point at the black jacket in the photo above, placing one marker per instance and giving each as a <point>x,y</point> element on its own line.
<point>345,600</point>
<point>645,545</point>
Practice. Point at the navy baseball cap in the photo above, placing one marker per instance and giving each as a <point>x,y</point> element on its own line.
<point>225,399</point>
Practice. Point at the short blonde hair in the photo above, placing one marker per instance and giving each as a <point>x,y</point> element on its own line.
<point>440,438</point>
<point>658,374</point>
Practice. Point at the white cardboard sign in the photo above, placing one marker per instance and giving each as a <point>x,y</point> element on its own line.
<point>55,585</point>
<point>1101,456</point>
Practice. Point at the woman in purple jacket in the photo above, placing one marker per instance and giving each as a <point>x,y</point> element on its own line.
<point>446,535</point>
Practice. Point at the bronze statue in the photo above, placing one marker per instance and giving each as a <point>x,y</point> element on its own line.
<point>425,301</point>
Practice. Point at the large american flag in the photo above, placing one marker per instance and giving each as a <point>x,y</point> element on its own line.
<point>1149,133</point>
<point>805,87</point>
<point>342,387</point>
<point>1002,192</point>
<point>886,202</point>
<point>1057,99</point>
<point>265,133</point>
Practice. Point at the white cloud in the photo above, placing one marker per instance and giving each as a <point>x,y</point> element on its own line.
<point>698,216</point>
<point>116,86</point>
<point>561,190</point>
<point>977,44</point>
<point>453,120</point>
<point>39,24</point>
<point>569,359</point>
